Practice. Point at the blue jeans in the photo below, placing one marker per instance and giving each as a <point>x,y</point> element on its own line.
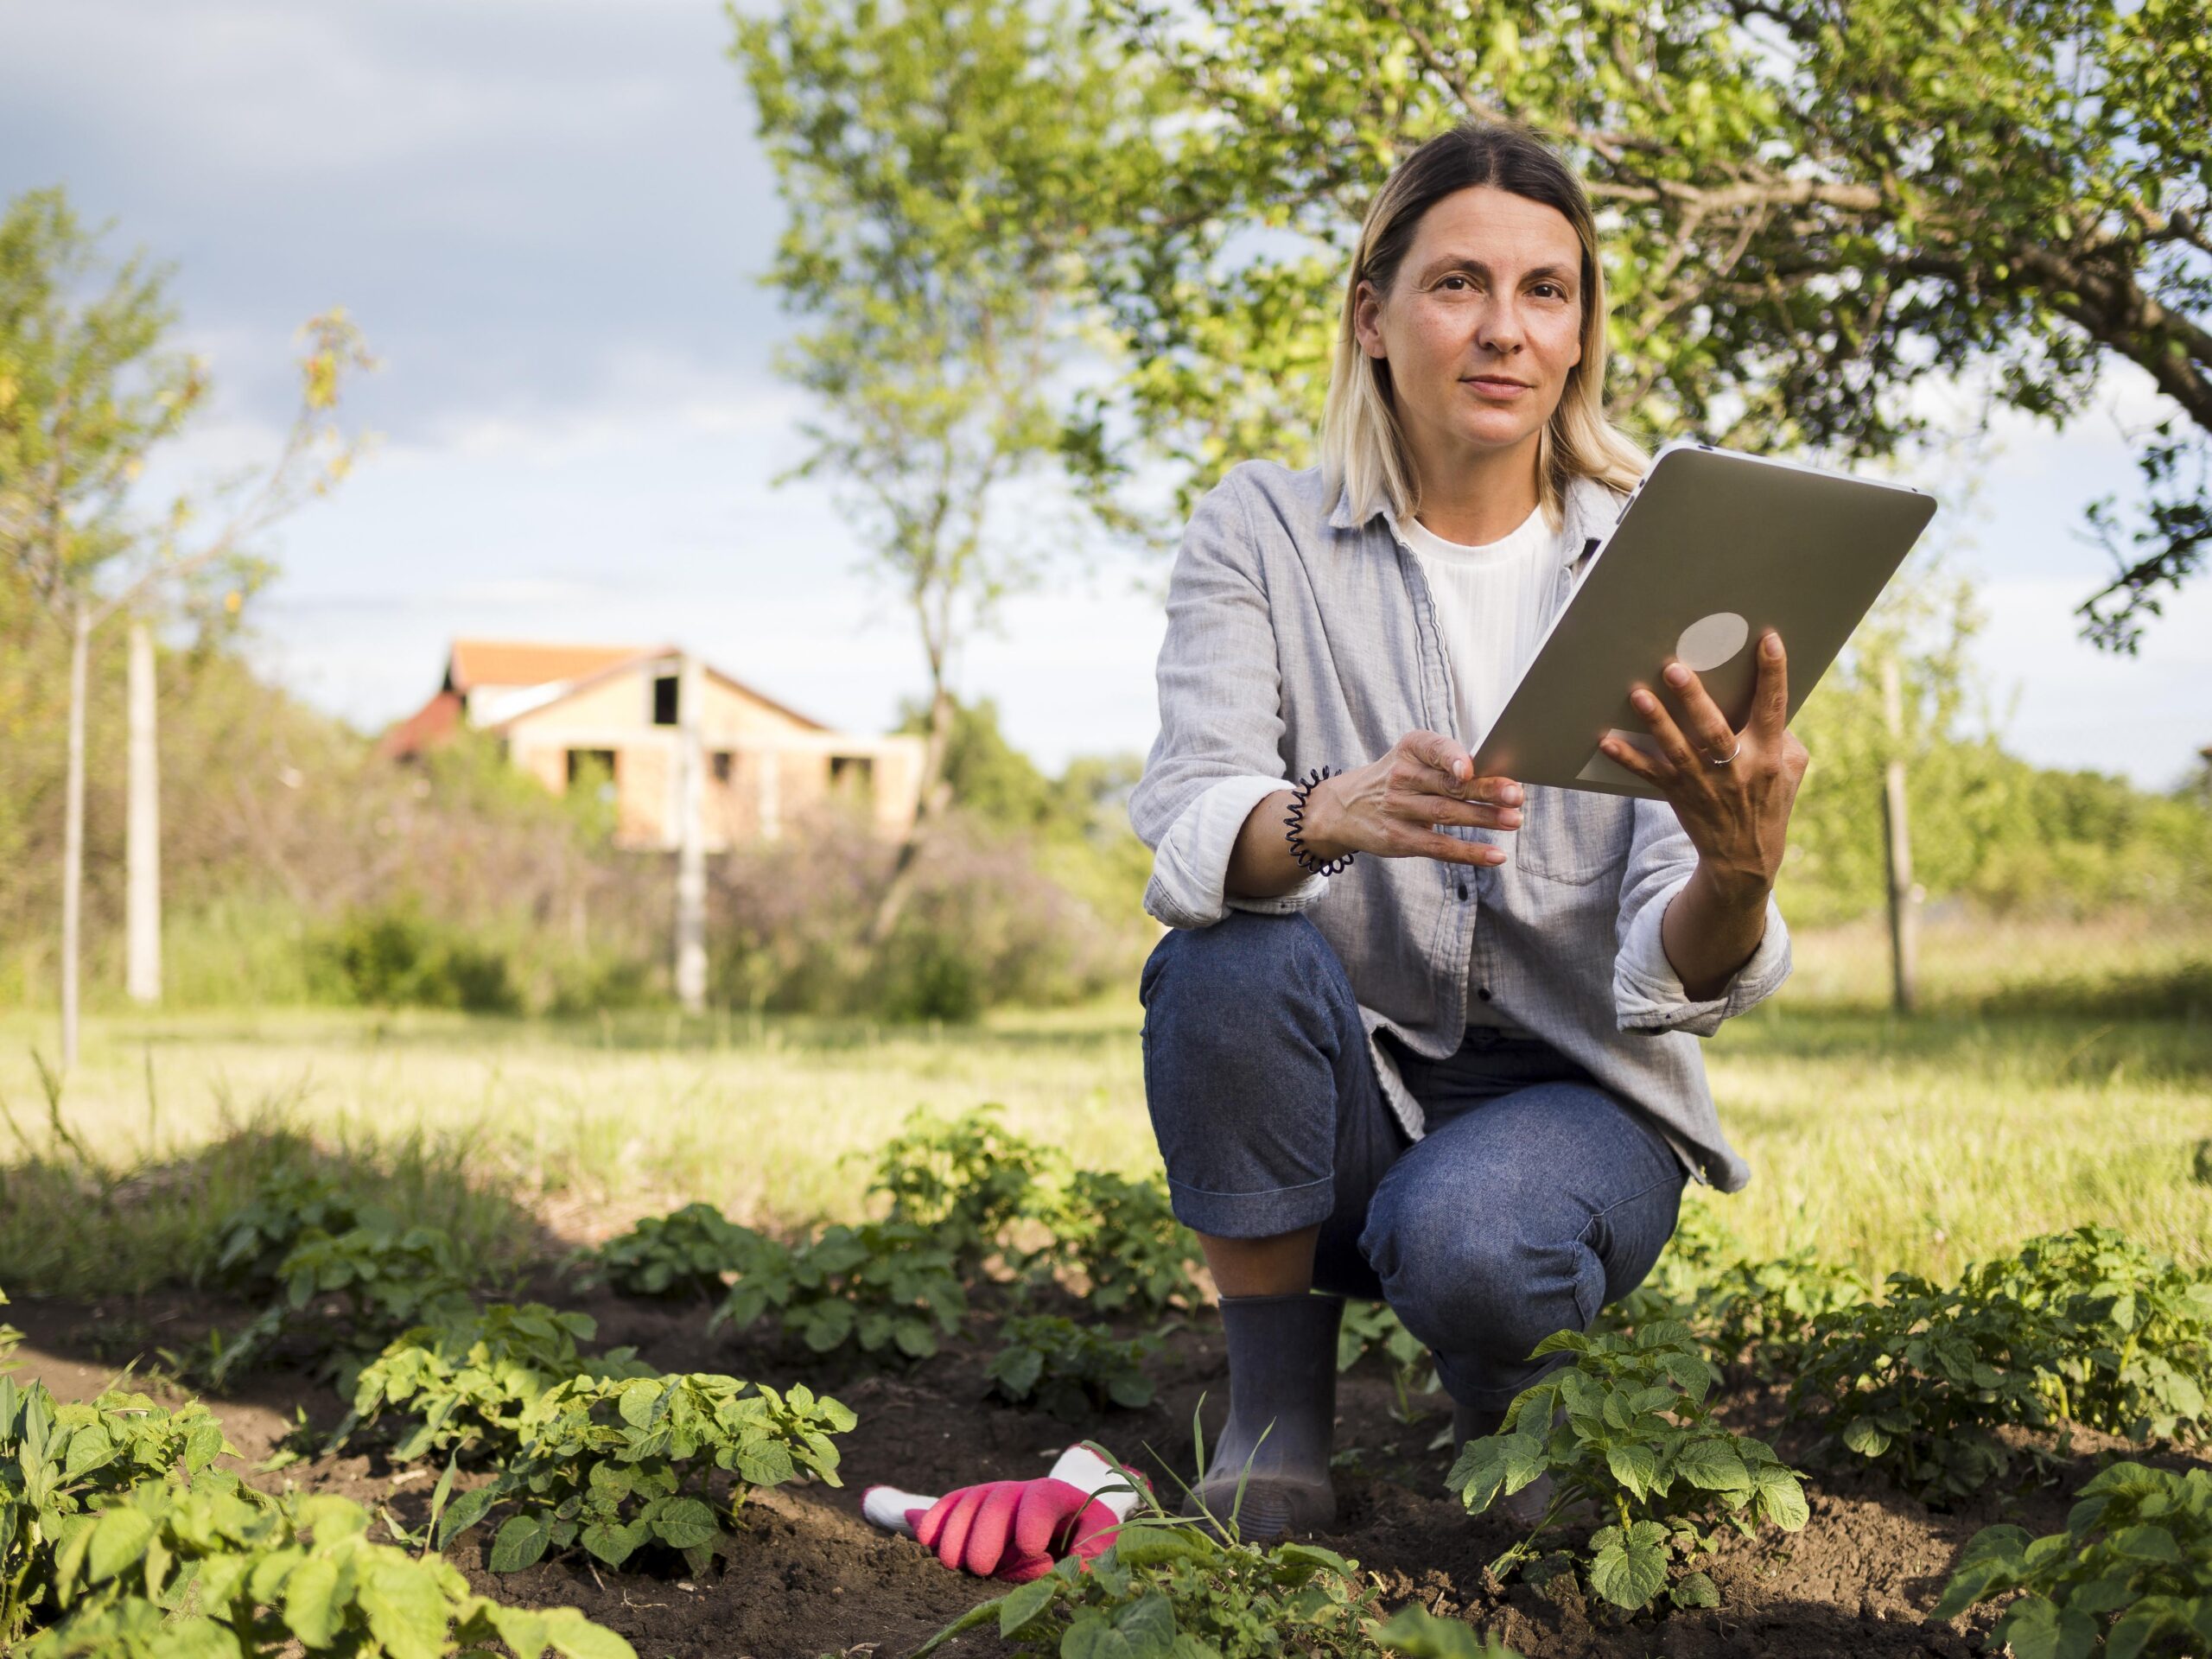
<point>1533,1199</point>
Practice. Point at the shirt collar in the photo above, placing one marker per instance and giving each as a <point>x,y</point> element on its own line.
<point>1588,513</point>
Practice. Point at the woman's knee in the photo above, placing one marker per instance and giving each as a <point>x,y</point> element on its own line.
<point>1250,983</point>
<point>1481,1281</point>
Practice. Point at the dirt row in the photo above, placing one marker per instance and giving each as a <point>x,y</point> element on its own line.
<point>807,1576</point>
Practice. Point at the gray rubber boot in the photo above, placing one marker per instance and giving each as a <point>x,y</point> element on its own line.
<point>1526,1507</point>
<point>1282,1380</point>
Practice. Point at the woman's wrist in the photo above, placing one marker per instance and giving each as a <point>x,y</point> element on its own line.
<point>1322,826</point>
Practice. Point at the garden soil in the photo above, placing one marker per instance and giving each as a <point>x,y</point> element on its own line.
<point>806,1576</point>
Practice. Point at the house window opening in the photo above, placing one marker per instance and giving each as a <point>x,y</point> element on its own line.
<point>724,760</point>
<point>853,775</point>
<point>664,699</point>
<point>594,770</point>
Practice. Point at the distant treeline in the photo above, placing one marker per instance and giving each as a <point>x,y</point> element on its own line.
<point>299,867</point>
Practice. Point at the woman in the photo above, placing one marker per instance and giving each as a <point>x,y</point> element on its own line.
<point>1414,1033</point>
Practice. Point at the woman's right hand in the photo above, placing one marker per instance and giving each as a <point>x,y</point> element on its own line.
<point>1391,806</point>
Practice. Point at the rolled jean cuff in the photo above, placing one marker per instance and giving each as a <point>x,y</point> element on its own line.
<point>1252,1215</point>
<point>1474,1385</point>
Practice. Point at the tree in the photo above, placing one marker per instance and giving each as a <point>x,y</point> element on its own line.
<point>1810,205</point>
<point>88,389</point>
<point>942,167</point>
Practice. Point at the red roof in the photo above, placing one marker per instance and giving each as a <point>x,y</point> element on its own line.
<point>506,662</point>
<point>432,723</point>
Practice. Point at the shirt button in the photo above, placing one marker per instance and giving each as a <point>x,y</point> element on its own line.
<point>1484,993</point>
<point>1463,890</point>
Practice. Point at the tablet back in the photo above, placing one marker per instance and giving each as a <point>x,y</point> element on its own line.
<point>1714,548</point>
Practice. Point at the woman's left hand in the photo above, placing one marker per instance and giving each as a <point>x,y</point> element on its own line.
<point>1732,790</point>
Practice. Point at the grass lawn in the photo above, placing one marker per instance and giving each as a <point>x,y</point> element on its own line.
<point>2076,1088</point>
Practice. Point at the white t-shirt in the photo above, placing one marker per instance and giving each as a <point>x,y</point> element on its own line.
<point>1493,603</point>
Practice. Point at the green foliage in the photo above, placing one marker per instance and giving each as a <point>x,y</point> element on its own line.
<point>58,1462</point>
<point>1071,1370</point>
<point>1639,1441</point>
<point>1375,1328</point>
<point>265,1575</point>
<point>882,1284</point>
<point>11,1339</point>
<point>288,1203</point>
<point>466,1387</point>
<point>964,1179</point>
<point>1168,1589</point>
<point>1759,1314</point>
<point>1918,1381</point>
<point>1419,1634</point>
<point>344,1296</point>
<point>2131,1576</point>
<point>395,957</point>
<point>1122,1236</point>
<point>685,1254</point>
<point>2137,1330</point>
<point>623,1465</point>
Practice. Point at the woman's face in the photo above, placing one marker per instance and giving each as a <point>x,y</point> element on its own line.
<point>1481,325</point>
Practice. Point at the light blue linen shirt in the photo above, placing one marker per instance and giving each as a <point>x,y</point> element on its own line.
<point>1297,638</point>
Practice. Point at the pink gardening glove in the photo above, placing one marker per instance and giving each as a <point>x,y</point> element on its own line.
<point>1013,1530</point>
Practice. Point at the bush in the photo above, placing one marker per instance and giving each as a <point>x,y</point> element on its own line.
<point>1122,1236</point>
<point>1635,1439</point>
<point>466,1386</point>
<point>1170,1589</point>
<point>59,1463</point>
<point>619,1467</point>
<point>1918,1381</point>
<point>276,1575</point>
<point>2131,1575</point>
<point>394,956</point>
<point>882,1284</point>
<point>964,1179</point>
<point>686,1254</point>
<point>1071,1370</point>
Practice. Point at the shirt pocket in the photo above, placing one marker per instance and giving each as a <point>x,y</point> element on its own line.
<point>1572,835</point>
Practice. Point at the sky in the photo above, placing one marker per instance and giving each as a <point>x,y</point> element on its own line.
<point>550,219</point>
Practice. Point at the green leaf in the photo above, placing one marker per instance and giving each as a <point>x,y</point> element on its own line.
<point>119,1538</point>
<point>406,1607</point>
<point>1695,1590</point>
<point>1628,1569</point>
<point>1147,1624</point>
<point>685,1523</point>
<point>1713,1465</point>
<point>1783,1496</point>
<point>310,1602</point>
<point>1635,1466</point>
<point>466,1511</point>
<point>574,1637</point>
<point>1026,1603</point>
<point>521,1542</point>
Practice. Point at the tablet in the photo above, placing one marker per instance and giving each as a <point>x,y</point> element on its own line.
<point>1714,548</point>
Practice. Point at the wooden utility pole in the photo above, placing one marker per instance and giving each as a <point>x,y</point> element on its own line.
<point>1904,916</point>
<point>691,842</point>
<point>142,827</point>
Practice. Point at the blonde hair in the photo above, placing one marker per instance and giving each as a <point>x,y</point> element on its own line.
<point>1364,452</point>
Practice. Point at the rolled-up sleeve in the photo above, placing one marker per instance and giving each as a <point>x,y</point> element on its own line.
<point>1219,751</point>
<point>1648,994</point>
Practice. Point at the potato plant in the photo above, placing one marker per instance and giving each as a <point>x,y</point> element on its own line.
<point>689,1253</point>
<point>964,1179</point>
<point>1123,1238</point>
<point>1375,1328</point>
<point>2136,1330</point>
<point>1753,1314</point>
<point>259,1575</point>
<point>619,1467</point>
<point>464,1386</point>
<point>1419,1634</point>
<point>1626,1429</point>
<point>883,1284</point>
<point>59,1461</point>
<point>287,1204</point>
<point>2131,1575</point>
<point>343,1296</point>
<point>1170,1589</point>
<point>1918,1381</point>
<point>1071,1370</point>
<point>11,1339</point>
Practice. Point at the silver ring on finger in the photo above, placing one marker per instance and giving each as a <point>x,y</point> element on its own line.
<point>1730,757</point>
